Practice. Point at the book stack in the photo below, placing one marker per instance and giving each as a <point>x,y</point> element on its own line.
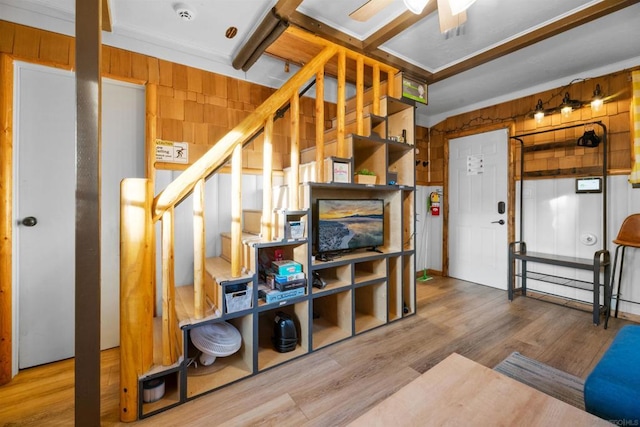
<point>284,280</point>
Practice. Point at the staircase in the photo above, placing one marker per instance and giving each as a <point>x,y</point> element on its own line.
<point>151,343</point>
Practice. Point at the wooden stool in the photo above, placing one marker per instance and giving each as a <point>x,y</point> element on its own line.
<point>628,236</point>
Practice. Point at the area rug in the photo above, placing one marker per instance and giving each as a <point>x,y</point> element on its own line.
<point>551,381</point>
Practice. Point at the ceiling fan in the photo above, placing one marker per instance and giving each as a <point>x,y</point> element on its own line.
<point>452,13</point>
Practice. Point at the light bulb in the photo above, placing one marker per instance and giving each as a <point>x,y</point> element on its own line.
<point>539,116</point>
<point>597,101</point>
<point>566,106</point>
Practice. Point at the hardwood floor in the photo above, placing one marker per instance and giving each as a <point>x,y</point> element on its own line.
<point>336,384</point>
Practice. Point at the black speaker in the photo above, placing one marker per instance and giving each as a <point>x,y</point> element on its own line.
<point>285,336</point>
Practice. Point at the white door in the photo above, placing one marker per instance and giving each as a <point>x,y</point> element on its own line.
<point>45,207</point>
<point>46,192</point>
<point>477,196</point>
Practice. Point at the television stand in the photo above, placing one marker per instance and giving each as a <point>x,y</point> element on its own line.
<point>374,249</point>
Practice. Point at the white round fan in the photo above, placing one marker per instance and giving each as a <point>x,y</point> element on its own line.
<point>216,340</point>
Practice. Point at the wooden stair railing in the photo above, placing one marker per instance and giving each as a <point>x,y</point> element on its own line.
<point>139,212</point>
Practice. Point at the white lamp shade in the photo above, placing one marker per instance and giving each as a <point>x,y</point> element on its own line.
<point>459,6</point>
<point>416,6</point>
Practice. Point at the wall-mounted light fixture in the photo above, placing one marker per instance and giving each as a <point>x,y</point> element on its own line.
<point>597,101</point>
<point>539,112</point>
<point>568,105</point>
<point>566,108</point>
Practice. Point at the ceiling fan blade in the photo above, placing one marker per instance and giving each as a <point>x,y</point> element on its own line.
<point>369,10</point>
<point>449,21</point>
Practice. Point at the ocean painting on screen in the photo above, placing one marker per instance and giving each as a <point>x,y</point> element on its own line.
<point>350,224</point>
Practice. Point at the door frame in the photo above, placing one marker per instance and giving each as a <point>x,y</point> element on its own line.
<point>511,184</point>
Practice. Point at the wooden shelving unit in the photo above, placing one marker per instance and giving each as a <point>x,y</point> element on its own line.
<point>364,289</point>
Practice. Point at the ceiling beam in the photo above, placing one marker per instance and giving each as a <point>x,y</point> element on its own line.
<point>565,24</point>
<point>284,8</point>
<point>338,37</point>
<point>396,26</point>
<point>106,16</point>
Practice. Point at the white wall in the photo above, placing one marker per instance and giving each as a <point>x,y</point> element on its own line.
<point>557,220</point>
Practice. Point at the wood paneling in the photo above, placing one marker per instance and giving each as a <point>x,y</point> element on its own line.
<point>6,215</point>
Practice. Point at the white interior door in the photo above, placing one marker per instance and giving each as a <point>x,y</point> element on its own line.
<point>45,190</point>
<point>477,195</point>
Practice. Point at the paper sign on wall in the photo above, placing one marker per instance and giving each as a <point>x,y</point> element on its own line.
<point>172,152</point>
<point>475,164</point>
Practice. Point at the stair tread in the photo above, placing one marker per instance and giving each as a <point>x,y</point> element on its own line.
<point>220,270</point>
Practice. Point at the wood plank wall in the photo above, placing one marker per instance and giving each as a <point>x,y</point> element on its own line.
<point>572,161</point>
<point>194,105</point>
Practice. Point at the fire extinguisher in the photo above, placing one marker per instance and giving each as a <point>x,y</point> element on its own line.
<point>434,203</point>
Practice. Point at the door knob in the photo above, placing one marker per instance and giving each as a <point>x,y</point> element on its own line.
<point>501,222</point>
<point>29,221</point>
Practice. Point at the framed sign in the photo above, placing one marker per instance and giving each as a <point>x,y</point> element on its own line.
<point>337,170</point>
<point>414,90</point>
<point>172,152</point>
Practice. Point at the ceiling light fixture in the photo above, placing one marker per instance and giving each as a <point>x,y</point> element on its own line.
<point>416,6</point>
<point>597,101</point>
<point>459,6</point>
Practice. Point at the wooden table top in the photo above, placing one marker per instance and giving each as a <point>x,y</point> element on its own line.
<point>460,391</point>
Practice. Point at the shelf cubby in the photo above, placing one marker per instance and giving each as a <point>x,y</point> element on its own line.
<point>171,396</point>
<point>394,279</point>
<point>401,162</point>
<point>393,235</point>
<point>225,370</point>
<point>378,127</point>
<point>283,218</point>
<point>265,253</point>
<point>332,317</point>
<point>370,154</point>
<point>408,211</point>
<point>370,306</point>
<point>335,277</point>
<point>408,284</point>
<point>268,356</point>
<point>366,271</point>
<point>400,117</point>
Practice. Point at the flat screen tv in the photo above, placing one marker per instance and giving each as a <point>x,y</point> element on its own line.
<point>349,224</point>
